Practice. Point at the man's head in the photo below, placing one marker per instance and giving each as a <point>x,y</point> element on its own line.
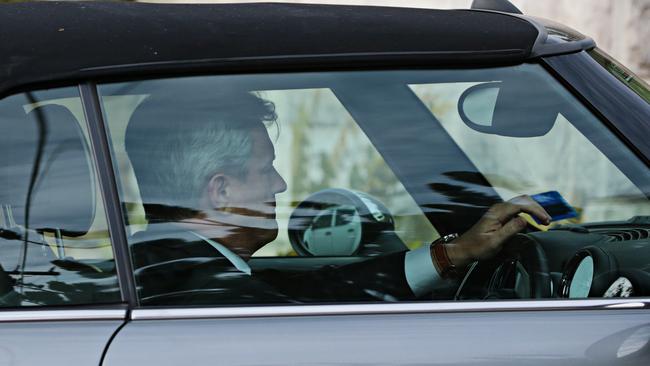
<point>207,156</point>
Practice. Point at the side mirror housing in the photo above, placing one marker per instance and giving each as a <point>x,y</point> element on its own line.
<point>519,107</point>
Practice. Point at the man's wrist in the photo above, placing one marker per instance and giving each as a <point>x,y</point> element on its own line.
<point>456,255</point>
<point>443,255</point>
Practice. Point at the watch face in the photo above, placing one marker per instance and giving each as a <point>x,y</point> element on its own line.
<point>447,238</point>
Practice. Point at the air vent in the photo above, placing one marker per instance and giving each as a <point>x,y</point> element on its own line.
<point>625,234</point>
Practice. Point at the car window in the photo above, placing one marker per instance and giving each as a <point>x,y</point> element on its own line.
<point>563,160</point>
<point>322,222</point>
<point>344,217</point>
<point>54,243</point>
<point>329,187</point>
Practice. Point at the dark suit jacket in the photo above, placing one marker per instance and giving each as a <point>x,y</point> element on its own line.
<point>182,269</point>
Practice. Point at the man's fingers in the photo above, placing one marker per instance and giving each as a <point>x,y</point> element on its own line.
<point>530,206</point>
<point>505,211</point>
<point>515,225</point>
<point>500,223</point>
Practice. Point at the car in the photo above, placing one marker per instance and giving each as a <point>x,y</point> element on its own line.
<point>128,130</point>
<point>336,232</point>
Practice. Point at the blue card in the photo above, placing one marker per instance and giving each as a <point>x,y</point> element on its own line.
<point>556,206</point>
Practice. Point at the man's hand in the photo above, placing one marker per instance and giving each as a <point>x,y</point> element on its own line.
<point>485,238</point>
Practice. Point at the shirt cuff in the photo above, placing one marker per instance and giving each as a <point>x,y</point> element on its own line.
<point>421,275</point>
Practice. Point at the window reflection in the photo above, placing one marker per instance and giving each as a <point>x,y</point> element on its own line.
<point>54,243</point>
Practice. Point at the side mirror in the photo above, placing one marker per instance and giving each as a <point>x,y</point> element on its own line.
<point>340,222</point>
<point>525,106</point>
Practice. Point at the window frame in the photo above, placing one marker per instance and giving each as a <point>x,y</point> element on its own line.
<point>600,92</point>
<point>99,146</point>
<point>212,311</point>
<point>95,119</point>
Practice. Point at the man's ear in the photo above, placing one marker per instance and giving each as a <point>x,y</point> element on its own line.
<point>218,190</point>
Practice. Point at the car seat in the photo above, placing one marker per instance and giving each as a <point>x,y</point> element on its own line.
<point>47,189</point>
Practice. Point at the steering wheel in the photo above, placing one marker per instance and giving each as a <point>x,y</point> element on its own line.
<point>519,270</point>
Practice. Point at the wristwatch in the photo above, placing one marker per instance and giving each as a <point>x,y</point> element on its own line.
<point>441,261</point>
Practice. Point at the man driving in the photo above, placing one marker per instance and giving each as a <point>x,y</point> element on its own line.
<point>206,177</point>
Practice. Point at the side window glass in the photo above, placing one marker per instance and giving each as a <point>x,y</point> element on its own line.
<point>329,187</point>
<point>566,158</point>
<point>54,243</point>
<point>274,182</point>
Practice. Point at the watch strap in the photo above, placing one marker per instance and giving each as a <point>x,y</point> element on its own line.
<point>445,267</point>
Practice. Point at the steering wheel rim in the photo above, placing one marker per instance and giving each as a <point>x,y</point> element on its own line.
<point>487,279</point>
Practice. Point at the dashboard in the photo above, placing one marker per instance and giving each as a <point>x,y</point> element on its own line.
<point>610,259</point>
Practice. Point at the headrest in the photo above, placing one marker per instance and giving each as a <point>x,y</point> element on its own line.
<point>63,192</point>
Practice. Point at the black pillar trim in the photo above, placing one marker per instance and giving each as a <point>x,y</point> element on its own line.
<point>106,173</point>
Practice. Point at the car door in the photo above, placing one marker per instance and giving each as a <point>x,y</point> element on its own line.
<point>406,140</point>
<point>60,301</point>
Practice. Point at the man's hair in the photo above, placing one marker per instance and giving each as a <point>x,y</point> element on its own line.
<point>177,143</point>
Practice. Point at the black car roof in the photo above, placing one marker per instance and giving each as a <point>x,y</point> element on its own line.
<point>46,41</point>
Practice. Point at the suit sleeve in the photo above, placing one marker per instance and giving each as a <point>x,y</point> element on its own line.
<point>379,278</point>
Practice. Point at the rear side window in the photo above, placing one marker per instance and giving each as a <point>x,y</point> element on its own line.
<point>54,243</point>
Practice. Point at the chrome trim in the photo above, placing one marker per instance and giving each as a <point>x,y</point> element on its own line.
<point>399,308</point>
<point>38,315</point>
<point>626,305</point>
